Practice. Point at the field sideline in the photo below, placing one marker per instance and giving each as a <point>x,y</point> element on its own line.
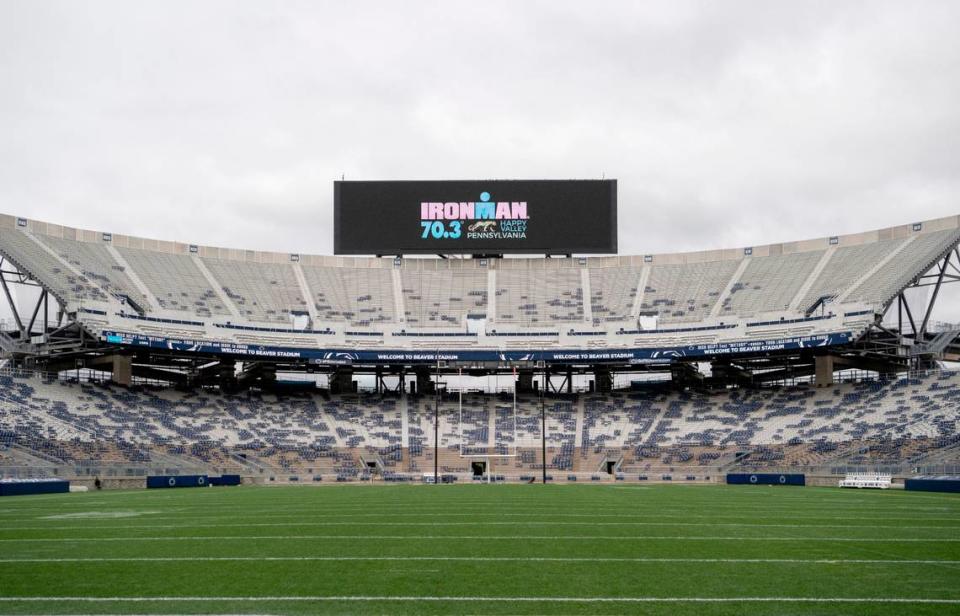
<point>501,549</point>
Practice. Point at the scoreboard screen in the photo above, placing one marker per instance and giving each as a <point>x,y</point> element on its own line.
<point>475,217</point>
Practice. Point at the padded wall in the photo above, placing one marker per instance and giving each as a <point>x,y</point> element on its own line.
<point>933,485</point>
<point>766,479</point>
<point>177,481</point>
<point>20,488</point>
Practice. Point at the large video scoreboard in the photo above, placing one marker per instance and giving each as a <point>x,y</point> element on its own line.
<point>475,217</point>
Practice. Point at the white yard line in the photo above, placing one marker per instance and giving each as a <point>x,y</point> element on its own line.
<point>837,506</point>
<point>468,523</point>
<point>540,516</point>
<point>471,523</point>
<point>398,598</point>
<point>800,561</point>
<point>485,538</point>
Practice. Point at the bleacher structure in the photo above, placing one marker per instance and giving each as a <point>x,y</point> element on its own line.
<point>902,426</point>
<point>190,339</point>
<point>117,295</point>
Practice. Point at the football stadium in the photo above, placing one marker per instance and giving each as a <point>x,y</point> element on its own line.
<point>408,434</point>
<point>549,307</point>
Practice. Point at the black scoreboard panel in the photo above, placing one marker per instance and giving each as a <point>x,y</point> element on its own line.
<point>475,217</point>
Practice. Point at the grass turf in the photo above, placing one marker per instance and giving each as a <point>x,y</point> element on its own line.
<point>496,548</point>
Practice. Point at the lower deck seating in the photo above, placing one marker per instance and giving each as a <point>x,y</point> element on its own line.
<point>906,420</point>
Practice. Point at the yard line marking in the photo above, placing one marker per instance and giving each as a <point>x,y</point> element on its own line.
<point>484,537</point>
<point>470,523</point>
<point>388,598</point>
<point>538,515</point>
<point>199,512</point>
<point>586,559</point>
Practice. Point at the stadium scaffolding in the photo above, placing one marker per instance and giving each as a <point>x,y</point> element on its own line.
<point>192,315</point>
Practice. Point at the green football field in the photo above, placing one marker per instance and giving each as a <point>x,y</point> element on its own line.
<point>480,549</point>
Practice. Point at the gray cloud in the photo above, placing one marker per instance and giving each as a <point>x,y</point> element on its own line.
<point>727,124</point>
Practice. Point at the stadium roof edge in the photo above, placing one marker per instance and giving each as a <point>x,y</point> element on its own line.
<point>241,254</point>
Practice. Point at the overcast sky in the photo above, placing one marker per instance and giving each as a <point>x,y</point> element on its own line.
<point>726,123</point>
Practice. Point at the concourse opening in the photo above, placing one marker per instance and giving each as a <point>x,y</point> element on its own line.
<point>479,468</point>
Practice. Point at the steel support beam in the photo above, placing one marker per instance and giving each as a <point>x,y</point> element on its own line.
<point>36,310</point>
<point>900,314</point>
<point>933,300</point>
<point>906,308</point>
<point>13,305</point>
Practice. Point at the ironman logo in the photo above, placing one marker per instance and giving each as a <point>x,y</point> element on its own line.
<point>483,219</point>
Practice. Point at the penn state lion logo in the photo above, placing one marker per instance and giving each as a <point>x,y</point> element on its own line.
<point>482,226</point>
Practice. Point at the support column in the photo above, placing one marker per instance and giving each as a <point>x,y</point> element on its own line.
<point>341,381</point>
<point>425,385</point>
<point>603,379</point>
<point>684,374</point>
<point>122,373</point>
<point>524,381</point>
<point>268,377</point>
<point>824,370</point>
<point>227,376</point>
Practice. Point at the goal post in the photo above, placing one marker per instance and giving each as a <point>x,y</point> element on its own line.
<point>500,441</point>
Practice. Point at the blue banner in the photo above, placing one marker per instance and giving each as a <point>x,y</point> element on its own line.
<point>22,488</point>
<point>932,484</point>
<point>766,479</point>
<point>225,480</point>
<point>177,481</point>
<point>379,356</point>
